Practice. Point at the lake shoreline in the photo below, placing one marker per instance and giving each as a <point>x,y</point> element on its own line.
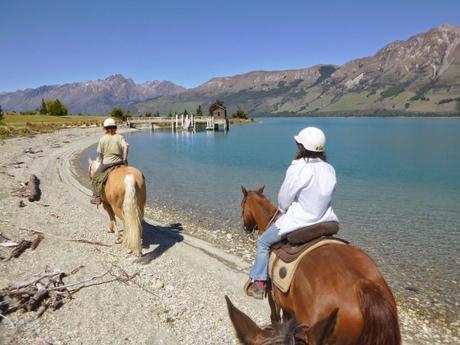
<point>70,215</point>
<point>424,309</point>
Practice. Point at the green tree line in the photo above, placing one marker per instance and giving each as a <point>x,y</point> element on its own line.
<point>53,107</point>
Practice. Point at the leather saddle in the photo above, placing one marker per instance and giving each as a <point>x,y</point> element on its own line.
<point>298,241</point>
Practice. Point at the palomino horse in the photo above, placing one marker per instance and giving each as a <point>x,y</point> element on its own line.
<point>287,333</point>
<point>124,196</point>
<point>330,277</point>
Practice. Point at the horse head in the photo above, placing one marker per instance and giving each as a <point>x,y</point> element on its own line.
<point>257,210</point>
<point>92,166</point>
<point>291,332</point>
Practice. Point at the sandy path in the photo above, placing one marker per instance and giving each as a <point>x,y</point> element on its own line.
<point>186,278</point>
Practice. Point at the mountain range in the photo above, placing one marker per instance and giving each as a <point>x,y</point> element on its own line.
<point>418,75</point>
<point>90,97</point>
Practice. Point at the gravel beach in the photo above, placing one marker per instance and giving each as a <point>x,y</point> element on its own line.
<point>176,293</point>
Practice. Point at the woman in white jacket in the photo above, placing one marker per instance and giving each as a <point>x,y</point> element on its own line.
<point>304,199</point>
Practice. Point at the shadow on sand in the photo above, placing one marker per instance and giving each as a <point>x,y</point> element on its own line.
<point>164,236</point>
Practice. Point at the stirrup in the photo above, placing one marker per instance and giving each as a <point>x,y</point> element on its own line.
<point>253,290</point>
<point>96,200</point>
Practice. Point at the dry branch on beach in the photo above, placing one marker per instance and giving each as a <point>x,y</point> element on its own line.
<point>47,290</point>
<point>67,239</point>
<point>20,247</point>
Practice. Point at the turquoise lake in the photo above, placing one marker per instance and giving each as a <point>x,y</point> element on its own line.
<point>398,192</point>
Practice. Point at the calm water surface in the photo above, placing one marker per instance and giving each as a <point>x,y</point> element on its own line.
<point>398,193</point>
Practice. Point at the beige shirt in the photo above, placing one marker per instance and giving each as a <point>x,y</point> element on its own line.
<point>111,147</point>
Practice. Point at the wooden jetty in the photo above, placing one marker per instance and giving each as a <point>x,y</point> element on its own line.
<point>180,122</point>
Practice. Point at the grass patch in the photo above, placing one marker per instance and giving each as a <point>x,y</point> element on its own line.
<point>236,121</point>
<point>16,124</point>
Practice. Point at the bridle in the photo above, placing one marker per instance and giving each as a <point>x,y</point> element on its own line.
<point>255,227</point>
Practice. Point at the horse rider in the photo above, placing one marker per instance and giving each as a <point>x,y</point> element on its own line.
<point>304,199</point>
<point>112,150</point>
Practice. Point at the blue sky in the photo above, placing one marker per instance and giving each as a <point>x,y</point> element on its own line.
<point>188,42</point>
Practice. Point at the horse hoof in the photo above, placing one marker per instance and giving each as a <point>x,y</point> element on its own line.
<point>118,241</point>
<point>130,251</point>
<point>110,230</point>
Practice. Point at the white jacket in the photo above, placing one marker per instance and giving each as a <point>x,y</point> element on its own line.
<point>306,194</point>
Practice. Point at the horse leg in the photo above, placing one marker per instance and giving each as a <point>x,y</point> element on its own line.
<point>112,225</point>
<point>274,308</point>
<point>286,315</point>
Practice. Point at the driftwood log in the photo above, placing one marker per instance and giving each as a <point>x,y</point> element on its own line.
<point>33,188</point>
<point>47,290</point>
<point>21,247</point>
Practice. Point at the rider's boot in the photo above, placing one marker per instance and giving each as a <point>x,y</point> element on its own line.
<point>255,289</point>
<point>96,199</point>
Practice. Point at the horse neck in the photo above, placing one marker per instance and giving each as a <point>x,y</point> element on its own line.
<point>263,212</point>
<point>94,165</point>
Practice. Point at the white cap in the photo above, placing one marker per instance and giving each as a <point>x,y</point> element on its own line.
<point>312,138</point>
<point>109,122</point>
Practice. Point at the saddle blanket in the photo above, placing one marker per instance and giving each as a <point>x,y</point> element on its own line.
<point>281,273</point>
<point>100,179</point>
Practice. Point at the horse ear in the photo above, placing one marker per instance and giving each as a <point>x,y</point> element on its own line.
<point>245,192</point>
<point>261,189</point>
<point>246,329</point>
<point>319,333</point>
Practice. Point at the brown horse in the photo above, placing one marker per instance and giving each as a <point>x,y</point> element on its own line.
<point>124,195</point>
<point>287,333</point>
<point>330,277</point>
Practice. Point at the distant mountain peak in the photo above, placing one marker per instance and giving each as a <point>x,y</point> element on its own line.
<point>116,77</point>
<point>449,27</point>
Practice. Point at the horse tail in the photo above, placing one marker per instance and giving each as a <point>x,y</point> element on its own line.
<point>132,216</point>
<point>381,325</point>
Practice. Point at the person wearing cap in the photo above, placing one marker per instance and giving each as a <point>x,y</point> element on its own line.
<point>112,150</point>
<point>304,199</point>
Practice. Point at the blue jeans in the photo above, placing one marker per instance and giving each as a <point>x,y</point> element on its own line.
<point>259,269</point>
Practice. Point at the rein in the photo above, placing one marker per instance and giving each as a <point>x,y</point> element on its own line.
<point>273,218</point>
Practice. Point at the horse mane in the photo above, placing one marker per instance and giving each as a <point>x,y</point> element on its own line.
<point>262,199</point>
<point>282,333</point>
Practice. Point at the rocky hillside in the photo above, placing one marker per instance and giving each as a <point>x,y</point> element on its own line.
<point>420,75</point>
<point>93,97</point>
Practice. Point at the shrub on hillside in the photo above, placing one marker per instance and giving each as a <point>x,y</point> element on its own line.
<point>445,100</point>
<point>394,90</point>
<point>118,113</point>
